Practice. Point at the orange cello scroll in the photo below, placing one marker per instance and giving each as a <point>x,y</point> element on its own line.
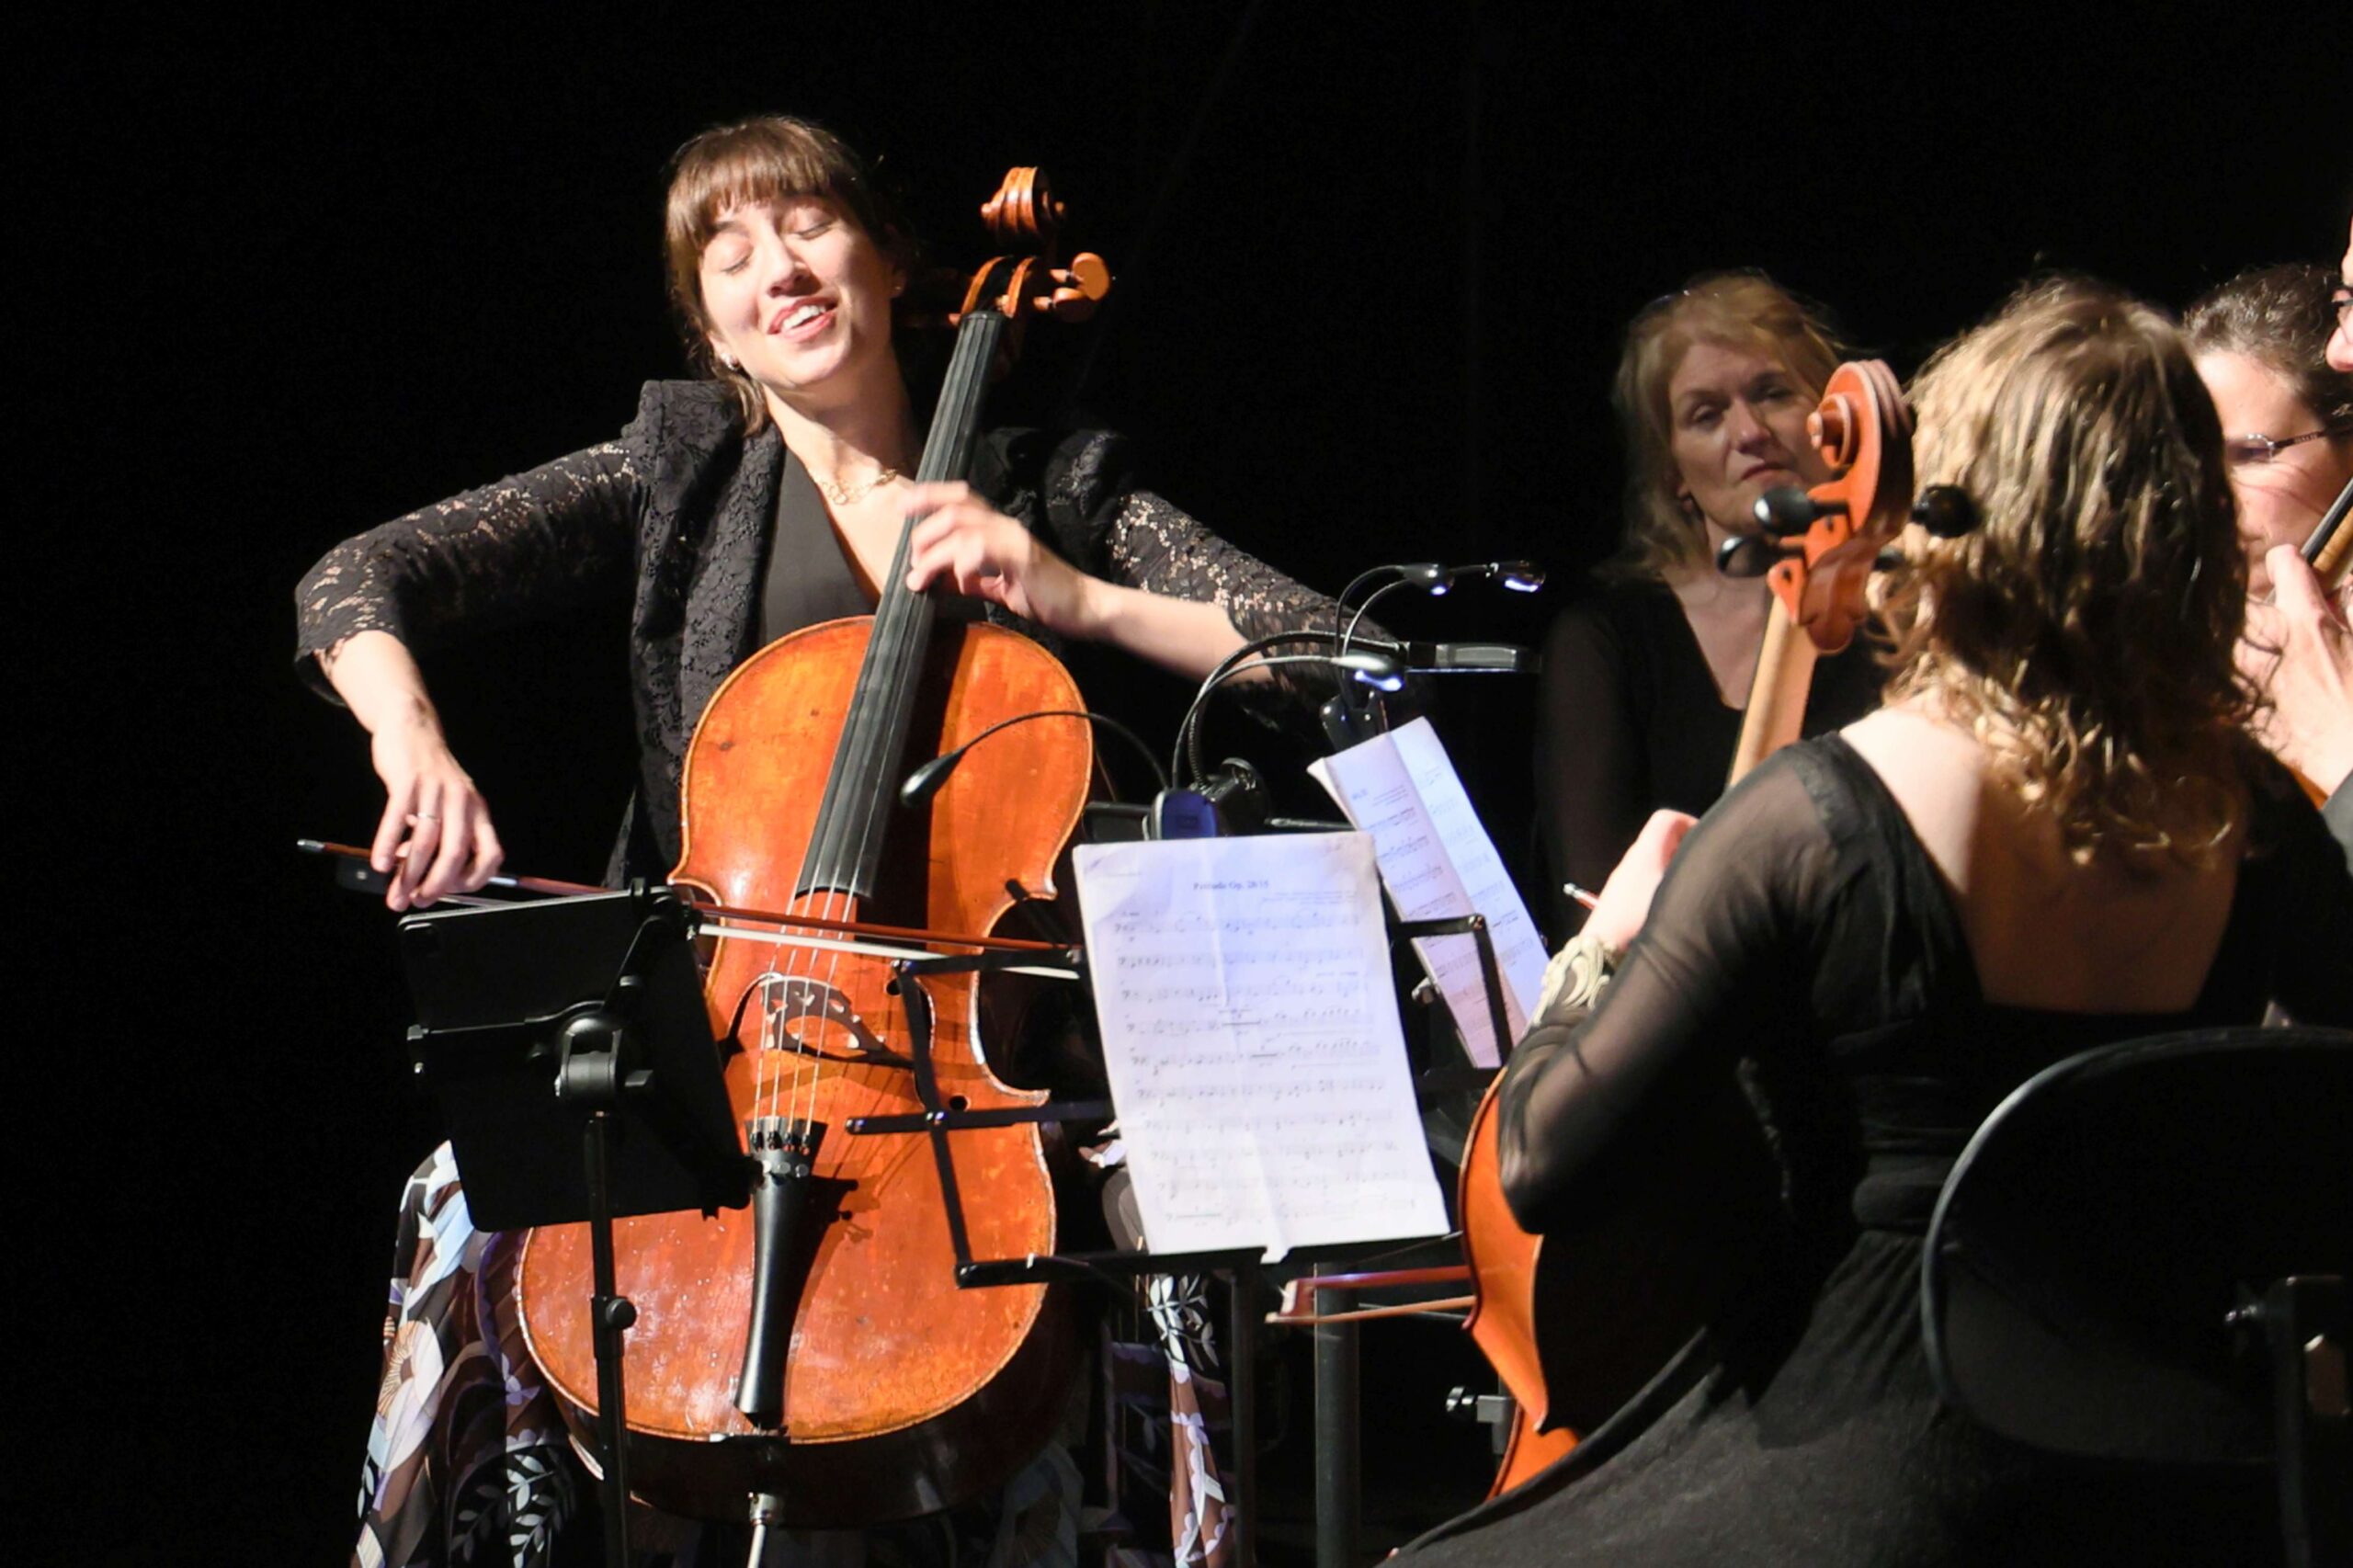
<point>1819,547</point>
<point>814,1362</point>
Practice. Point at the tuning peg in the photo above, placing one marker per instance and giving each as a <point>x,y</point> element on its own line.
<point>1746,555</point>
<point>1079,287</point>
<point>1946,510</point>
<point>1785,510</point>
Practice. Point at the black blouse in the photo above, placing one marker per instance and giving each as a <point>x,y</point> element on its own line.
<point>1629,720</point>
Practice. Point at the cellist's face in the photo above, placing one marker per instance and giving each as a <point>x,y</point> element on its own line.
<point>799,296</point>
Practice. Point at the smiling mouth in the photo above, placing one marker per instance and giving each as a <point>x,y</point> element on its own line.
<point>799,316</point>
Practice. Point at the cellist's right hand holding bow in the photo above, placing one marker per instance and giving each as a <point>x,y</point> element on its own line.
<point>435,836</point>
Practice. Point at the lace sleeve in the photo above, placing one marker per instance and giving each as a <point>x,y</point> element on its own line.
<point>1104,523</point>
<point>525,546</point>
<point>1154,545</point>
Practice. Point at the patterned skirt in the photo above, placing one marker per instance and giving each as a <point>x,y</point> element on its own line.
<point>468,1461</point>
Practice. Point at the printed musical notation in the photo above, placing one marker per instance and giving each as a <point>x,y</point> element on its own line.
<point>1436,860</point>
<point>1251,1036</point>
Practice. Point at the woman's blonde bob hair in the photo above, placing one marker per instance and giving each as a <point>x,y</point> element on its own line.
<point>1738,310</point>
<point>774,158</point>
<point>2084,631</point>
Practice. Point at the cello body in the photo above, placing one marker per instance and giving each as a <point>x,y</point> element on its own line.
<point>901,1394</point>
<point>1505,1260</point>
<point>1575,1322</point>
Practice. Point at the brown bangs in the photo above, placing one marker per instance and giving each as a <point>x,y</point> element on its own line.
<point>773,161</point>
<point>775,158</point>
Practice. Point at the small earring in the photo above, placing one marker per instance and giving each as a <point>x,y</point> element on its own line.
<point>728,360</point>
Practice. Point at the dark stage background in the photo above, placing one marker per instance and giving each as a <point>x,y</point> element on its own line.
<point>1372,276</point>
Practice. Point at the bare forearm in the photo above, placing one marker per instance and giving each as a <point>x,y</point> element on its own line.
<point>378,678</point>
<point>1188,637</point>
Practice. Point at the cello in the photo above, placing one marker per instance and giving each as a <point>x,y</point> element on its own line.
<point>811,1360</point>
<point>1575,1324</point>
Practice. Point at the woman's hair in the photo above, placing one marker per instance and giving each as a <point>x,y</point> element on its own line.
<point>2280,317</point>
<point>2083,630</point>
<point>774,158</point>
<point>1737,310</point>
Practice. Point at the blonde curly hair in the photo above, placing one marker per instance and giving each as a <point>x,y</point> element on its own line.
<point>2084,631</point>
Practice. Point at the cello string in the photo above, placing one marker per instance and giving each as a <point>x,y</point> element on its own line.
<point>900,640</point>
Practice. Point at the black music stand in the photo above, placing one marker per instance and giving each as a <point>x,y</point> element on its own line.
<point>568,1045</point>
<point>2117,1227</point>
<point>938,1119</point>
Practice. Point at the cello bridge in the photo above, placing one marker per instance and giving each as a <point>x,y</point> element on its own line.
<point>790,999</point>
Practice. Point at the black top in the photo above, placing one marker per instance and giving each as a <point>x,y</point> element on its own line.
<point>1629,719</point>
<point>809,579</point>
<point>677,514</point>
<point>1804,926</point>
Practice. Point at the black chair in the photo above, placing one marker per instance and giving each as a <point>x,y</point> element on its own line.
<point>2144,1254</point>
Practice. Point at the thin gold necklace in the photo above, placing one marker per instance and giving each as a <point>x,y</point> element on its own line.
<point>850,495</point>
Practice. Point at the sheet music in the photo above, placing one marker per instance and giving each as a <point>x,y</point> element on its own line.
<point>1436,861</point>
<point>1251,1036</point>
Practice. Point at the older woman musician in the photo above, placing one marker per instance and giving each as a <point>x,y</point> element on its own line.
<point>1645,680</point>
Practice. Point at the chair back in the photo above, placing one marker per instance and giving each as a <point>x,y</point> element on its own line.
<point>2097,1232</point>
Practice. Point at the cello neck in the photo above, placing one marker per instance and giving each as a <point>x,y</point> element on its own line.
<point>1775,712</point>
<point>846,847</point>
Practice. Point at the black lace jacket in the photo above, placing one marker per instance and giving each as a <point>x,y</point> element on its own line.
<point>680,505</point>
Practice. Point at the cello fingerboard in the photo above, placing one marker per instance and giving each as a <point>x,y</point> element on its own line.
<point>845,849</point>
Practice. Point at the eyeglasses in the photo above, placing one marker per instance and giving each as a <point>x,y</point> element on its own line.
<point>2263,448</point>
<point>2343,300</point>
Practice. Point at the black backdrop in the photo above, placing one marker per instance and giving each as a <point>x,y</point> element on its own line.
<point>306,278</point>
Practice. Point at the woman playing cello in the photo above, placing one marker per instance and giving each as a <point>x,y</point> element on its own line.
<point>2057,834</point>
<point>762,498</point>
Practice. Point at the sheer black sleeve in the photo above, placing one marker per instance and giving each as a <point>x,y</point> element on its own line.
<point>1726,958</point>
<point>1593,789</point>
<point>529,545</point>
